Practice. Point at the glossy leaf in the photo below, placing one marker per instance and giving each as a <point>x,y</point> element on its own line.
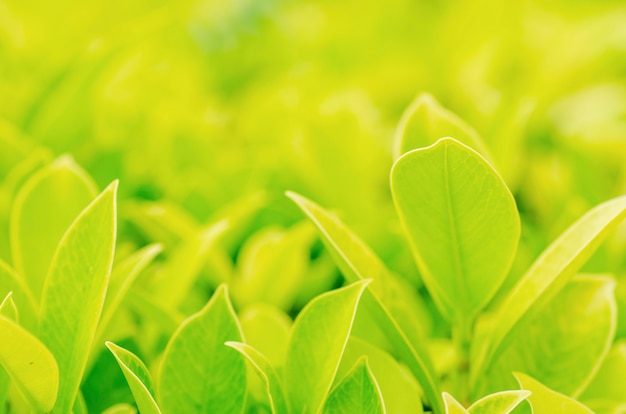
<point>461,221</point>
<point>357,392</point>
<point>29,364</point>
<point>268,375</point>
<point>318,339</point>
<point>199,373</point>
<point>562,344</point>
<point>43,210</point>
<point>498,403</point>
<point>358,262</point>
<point>425,121</point>
<point>543,400</point>
<point>74,292</point>
<point>548,275</point>
<point>138,378</point>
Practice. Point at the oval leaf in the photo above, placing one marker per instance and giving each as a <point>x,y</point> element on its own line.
<point>318,339</point>
<point>461,221</point>
<point>199,374</point>
<point>543,400</point>
<point>29,364</point>
<point>357,392</point>
<point>138,378</point>
<point>75,289</point>
<point>43,210</point>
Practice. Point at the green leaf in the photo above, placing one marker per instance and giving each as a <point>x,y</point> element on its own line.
<point>266,328</point>
<point>452,405</point>
<point>318,339</point>
<point>562,344</point>
<point>543,400</point>
<point>499,403</point>
<point>29,364</point>
<point>609,382</point>
<point>121,409</point>
<point>357,392</point>
<point>358,262</point>
<point>8,308</point>
<point>199,374</point>
<point>138,378</point>
<point>74,292</point>
<point>425,121</point>
<point>11,282</point>
<point>9,311</point>
<point>43,209</point>
<point>400,391</point>
<point>461,221</point>
<point>547,276</point>
<point>268,375</point>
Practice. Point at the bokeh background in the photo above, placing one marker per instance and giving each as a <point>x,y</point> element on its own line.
<point>213,108</point>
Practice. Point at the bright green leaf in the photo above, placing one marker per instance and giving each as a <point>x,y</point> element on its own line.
<point>266,328</point>
<point>498,403</point>
<point>357,392</point>
<point>543,400</point>
<point>29,364</point>
<point>452,405</point>
<point>121,409</point>
<point>11,282</point>
<point>138,378</point>
<point>43,209</point>
<point>199,374</point>
<point>75,289</point>
<point>425,121</point>
<point>609,382</point>
<point>9,311</point>
<point>461,221</point>
<point>268,375</point>
<point>358,262</point>
<point>318,339</point>
<point>548,275</point>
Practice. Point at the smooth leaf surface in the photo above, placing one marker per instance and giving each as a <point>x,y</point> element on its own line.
<point>29,364</point>
<point>138,378</point>
<point>318,339</point>
<point>357,262</point>
<point>21,295</point>
<point>199,374</point>
<point>499,403</point>
<point>268,375</point>
<point>74,292</point>
<point>357,392</point>
<point>120,409</point>
<point>452,405</point>
<point>43,210</point>
<point>543,400</point>
<point>9,311</point>
<point>609,382</point>
<point>267,328</point>
<point>425,121</point>
<point>548,275</point>
<point>461,221</point>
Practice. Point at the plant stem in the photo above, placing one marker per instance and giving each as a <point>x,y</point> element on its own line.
<point>461,337</point>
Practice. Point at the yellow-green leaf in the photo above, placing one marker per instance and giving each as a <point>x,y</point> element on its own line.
<point>357,392</point>
<point>543,400</point>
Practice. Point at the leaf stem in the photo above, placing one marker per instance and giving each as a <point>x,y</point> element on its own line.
<point>462,337</point>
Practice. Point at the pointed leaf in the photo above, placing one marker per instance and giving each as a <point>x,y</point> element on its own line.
<point>461,221</point>
<point>499,403</point>
<point>543,400</point>
<point>425,121</point>
<point>11,282</point>
<point>138,378</point>
<point>452,405</point>
<point>318,339</point>
<point>268,375</point>
<point>199,374</point>
<point>358,262</point>
<point>30,365</point>
<point>548,275</point>
<point>43,209</point>
<point>358,392</point>
<point>75,289</point>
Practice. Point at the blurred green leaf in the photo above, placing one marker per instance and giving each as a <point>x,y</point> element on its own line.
<point>357,392</point>
<point>499,403</point>
<point>543,400</point>
<point>609,382</point>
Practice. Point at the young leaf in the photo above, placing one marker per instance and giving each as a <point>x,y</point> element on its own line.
<point>461,221</point>
<point>268,375</point>
<point>548,275</point>
<point>358,262</point>
<point>452,405</point>
<point>74,291</point>
<point>43,209</point>
<point>425,121</point>
<point>563,359</point>
<point>357,392</point>
<point>318,339</point>
<point>199,374</point>
<point>29,364</point>
<point>11,282</point>
<point>543,400</point>
<point>499,403</point>
<point>138,378</point>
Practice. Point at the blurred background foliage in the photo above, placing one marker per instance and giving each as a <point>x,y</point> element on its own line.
<point>211,109</point>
